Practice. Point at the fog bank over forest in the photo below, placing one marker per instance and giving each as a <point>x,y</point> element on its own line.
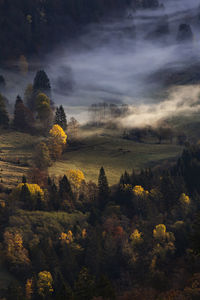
<point>128,60</point>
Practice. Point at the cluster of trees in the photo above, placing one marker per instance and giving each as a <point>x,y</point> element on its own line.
<point>158,134</point>
<point>35,113</point>
<point>31,27</point>
<point>72,239</point>
<point>104,113</point>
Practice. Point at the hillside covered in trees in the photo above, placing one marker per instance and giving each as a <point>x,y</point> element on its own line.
<point>66,237</point>
<point>108,208</point>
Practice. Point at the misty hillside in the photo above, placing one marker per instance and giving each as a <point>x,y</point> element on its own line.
<point>99,150</point>
<point>28,27</point>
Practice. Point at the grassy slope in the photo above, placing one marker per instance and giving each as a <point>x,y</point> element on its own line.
<point>114,153</point>
<point>15,155</point>
<point>97,148</point>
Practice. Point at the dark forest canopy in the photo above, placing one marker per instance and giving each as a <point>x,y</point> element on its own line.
<point>30,27</point>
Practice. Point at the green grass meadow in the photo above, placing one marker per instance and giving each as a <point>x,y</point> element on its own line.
<point>115,154</point>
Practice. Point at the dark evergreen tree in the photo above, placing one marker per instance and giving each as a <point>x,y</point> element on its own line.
<point>23,118</point>
<point>42,83</point>
<point>2,83</point>
<point>25,197</point>
<point>39,203</point>
<point>195,236</point>
<point>53,197</point>
<point>19,114</point>
<point>4,120</point>
<point>105,288</point>
<point>60,117</point>
<point>63,290</point>
<point>84,287</point>
<point>65,187</point>
<point>103,188</point>
<point>24,179</point>
<point>65,193</point>
<point>15,291</point>
<point>125,178</point>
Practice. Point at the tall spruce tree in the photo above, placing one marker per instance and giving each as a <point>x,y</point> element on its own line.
<point>84,287</point>
<point>103,188</point>
<point>19,121</point>
<point>65,194</point>
<point>23,117</point>
<point>60,117</point>
<point>65,189</point>
<point>2,83</point>
<point>42,83</point>
<point>25,197</point>
<point>4,120</point>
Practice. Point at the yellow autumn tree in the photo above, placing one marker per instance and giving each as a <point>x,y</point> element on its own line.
<point>16,254</point>
<point>139,191</point>
<point>76,177</point>
<point>45,284</point>
<point>67,238</point>
<point>136,237</point>
<point>58,140</point>
<point>31,195</point>
<point>160,234</point>
<point>29,288</point>
<point>163,245</point>
<point>34,189</point>
<point>184,199</point>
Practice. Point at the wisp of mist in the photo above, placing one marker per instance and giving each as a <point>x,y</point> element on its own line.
<point>116,61</point>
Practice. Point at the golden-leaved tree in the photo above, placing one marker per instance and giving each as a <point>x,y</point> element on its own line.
<point>57,141</point>
<point>16,254</point>
<point>76,177</point>
<point>67,238</point>
<point>29,288</point>
<point>163,246</point>
<point>136,238</point>
<point>139,191</point>
<point>45,284</point>
<point>30,194</point>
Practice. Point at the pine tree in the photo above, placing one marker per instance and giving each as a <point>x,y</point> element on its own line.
<point>42,83</point>
<point>39,203</point>
<point>85,286</point>
<point>4,120</point>
<point>19,114</point>
<point>65,188</point>
<point>60,117</point>
<point>25,197</point>
<point>53,197</point>
<point>24,179</point>
<point>29,97</point>
<point>23,118</point>
<point>105,288</point>
<point>2,83</point>
<point>103,188</point>
<point>63,118</point>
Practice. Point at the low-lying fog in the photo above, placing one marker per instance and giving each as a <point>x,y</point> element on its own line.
<point>125,61</point>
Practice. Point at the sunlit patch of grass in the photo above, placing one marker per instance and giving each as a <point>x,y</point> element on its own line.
<point>16,151</point>
<point>108,149</point>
